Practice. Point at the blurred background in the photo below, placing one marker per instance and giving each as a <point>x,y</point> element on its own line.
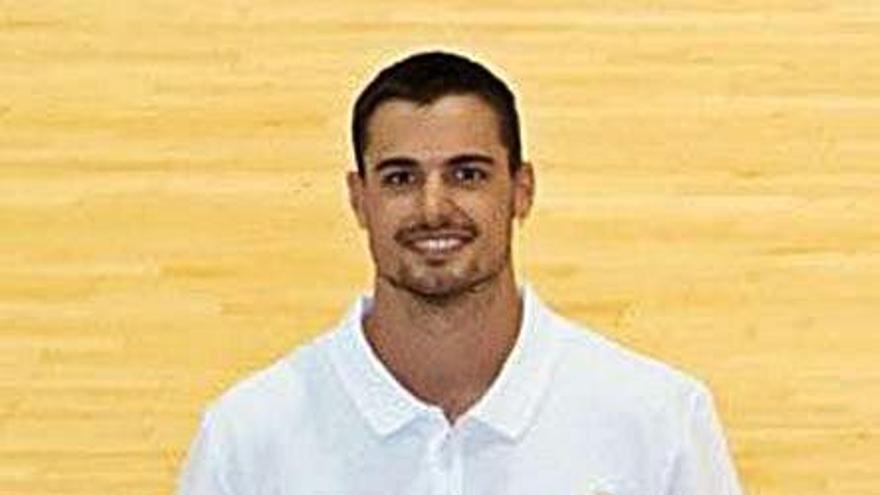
<point>173,213</point>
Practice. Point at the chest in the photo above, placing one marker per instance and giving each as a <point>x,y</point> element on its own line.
<point>441,461</point>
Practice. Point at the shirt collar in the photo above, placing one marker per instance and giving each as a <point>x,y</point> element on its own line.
<point>384,402</point>
<point>507,407</point>
<point>510,404</point>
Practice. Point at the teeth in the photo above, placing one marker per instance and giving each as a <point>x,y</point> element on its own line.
<point>438,244</point>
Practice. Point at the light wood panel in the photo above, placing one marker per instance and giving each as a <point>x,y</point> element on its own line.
<point>172,213</point>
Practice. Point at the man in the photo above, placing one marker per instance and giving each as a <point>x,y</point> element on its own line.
<point>450,378</point>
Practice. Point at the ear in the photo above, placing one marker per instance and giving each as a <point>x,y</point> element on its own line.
<point>523,190</point>
<point>356,185</point>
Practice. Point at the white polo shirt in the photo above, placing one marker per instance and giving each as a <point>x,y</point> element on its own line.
<point>571,413</point>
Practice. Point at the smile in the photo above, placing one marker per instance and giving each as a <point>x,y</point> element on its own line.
<point>438,244</point>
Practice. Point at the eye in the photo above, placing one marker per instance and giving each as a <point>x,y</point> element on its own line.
<point>398,178</point>
<point>470,174</point>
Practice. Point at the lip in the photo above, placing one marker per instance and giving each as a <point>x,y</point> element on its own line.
<point>438,243</point>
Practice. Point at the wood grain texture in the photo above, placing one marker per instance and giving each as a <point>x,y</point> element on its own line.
<point>172,213</point>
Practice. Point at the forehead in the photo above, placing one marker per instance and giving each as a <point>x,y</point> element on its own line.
<point>450,124</point>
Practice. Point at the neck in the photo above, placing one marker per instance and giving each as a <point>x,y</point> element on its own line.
<point>447,353</point>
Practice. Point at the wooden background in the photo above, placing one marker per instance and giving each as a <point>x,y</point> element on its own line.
<point>172,212</point>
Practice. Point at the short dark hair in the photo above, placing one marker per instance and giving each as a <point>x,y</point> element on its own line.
<point>424,78</point>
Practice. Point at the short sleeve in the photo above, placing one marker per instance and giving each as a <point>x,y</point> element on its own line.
<point>203,472</point>
<point>702,465</point>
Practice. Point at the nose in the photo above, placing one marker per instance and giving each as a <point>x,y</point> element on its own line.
<point>435,201</point>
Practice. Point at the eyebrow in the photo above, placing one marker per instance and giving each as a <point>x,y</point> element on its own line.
<point>470,158</point>
<point>405,162</point>
<point>395,161</point>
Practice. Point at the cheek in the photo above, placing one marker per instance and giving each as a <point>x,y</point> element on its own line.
<point>384,221</point>
<point>494,218</point>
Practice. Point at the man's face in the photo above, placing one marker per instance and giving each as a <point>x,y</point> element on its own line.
<point>437,199</point>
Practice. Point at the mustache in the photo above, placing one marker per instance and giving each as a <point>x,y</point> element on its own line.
<point>422,230</point>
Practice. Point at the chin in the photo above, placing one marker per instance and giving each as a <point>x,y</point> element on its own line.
<point>440,287</point>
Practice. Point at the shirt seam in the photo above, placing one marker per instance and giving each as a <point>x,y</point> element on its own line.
<point>210,425</point>
<point>675,455</point>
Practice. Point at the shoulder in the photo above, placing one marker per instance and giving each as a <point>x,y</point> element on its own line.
<point>595,366</point>
<point>274,397</point>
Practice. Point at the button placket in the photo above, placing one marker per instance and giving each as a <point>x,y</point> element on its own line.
<point>445,454</point>
<point>456,474</point>
<point>446,462</point>
<point>438,453</point>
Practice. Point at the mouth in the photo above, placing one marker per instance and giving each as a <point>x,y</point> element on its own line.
<point>438,244</point>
